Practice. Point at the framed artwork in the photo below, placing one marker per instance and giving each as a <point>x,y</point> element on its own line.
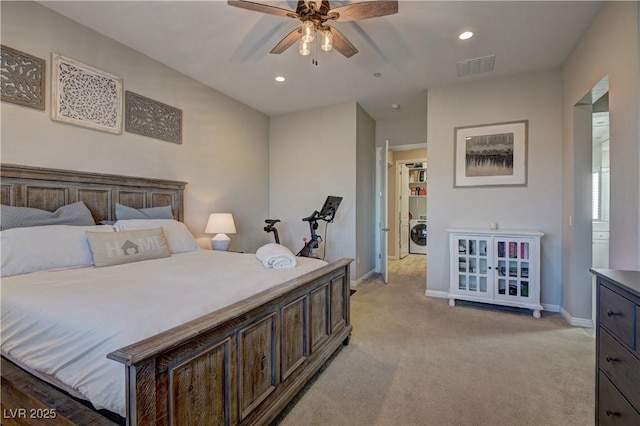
<point>151,118</point>
<point>491,154</point>
<point>85,96</point>
<point>22,78</point>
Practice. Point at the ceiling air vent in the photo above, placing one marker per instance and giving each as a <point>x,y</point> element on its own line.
<point>475,66</point>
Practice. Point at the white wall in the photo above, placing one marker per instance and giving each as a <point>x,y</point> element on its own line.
<point>366,253</point>
<point>224,154</point>
<point>312,154</point>
<point>535,97</point>
<point>608,47</point>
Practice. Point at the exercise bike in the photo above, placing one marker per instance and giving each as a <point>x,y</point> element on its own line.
<point>327,214</point>
<point>271,228</point>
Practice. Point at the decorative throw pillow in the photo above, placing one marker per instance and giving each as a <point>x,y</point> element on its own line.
<point>127,213</point>
<point>75,214</point>
<point>125,247</point>
<point>179,238</point>
<point>45,248</point>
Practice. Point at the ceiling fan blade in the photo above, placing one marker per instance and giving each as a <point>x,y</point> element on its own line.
<point>364,10</point>
<point>262,8</point>
<point>289,40</point>
<point>342,44</point>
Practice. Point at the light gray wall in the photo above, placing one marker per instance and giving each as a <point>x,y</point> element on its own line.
<point>224,154</point>
<point>407,125</point>
<point>365,193</point>
<point>535,97</point>
<point>608,47</point>
<point>312,154</point>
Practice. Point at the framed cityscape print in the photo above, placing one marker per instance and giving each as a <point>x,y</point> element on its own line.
<point>491,154</point>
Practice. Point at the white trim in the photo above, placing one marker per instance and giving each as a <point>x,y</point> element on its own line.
<point>407,147</point>
<point>355,283</point>
<point>393,257</point>
<point>437,293</point>
<point>551,308</point>
<point>577,322</point>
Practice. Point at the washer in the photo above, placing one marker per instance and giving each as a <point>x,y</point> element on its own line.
<point>418,236</point>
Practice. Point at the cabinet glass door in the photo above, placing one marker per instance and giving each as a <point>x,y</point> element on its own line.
<point>512,269</point>
<point>473,265</point>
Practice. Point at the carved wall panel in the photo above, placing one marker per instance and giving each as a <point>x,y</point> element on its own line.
<point>151,118</point>
<point>22,78</point>
<point>85,96</point>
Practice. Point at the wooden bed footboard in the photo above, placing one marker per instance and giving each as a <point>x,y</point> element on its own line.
<point>244,363</point>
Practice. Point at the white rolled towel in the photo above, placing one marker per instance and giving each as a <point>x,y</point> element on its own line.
<point>276,256</point>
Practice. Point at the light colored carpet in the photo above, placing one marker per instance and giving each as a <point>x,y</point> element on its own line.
<point>412,264</point>
<point>415,360</point>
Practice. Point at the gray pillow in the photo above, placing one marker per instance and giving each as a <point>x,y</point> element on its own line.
<point>129,246</point>
<point>127,213</point>
<point>76,214</point>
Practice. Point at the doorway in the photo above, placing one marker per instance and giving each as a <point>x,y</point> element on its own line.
<point>600,172</point>
<point>590,220</point>
<point>407,210</point>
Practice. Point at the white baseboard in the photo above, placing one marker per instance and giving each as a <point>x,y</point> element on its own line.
<point>576,322</point>
<point>437,293</point>
<point>393,257</point>
<point>354,283</point>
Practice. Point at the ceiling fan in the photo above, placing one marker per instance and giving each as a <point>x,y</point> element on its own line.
<point>314,16</point>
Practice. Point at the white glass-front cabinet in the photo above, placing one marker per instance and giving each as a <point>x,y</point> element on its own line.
<point>499,267</point>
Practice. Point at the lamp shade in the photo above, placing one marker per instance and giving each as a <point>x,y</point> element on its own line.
<point>220,223</point>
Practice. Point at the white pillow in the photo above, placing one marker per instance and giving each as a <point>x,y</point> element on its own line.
<point>178,236</point>
<point>44,248</point>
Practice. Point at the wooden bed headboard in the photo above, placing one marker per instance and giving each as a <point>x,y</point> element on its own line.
<point>48,189</point>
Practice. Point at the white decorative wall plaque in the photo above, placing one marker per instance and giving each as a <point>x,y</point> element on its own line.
<point>85,96</point>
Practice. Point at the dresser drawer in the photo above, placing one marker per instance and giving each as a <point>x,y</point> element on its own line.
<point>620,366</point>
<point>638,329</point>
<point>613,409</point>
<point>616,314</point>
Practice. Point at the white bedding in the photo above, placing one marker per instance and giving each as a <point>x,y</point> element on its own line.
<point>64,323</point>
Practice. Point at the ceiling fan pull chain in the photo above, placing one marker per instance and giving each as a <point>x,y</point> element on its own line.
<point>315,52</point>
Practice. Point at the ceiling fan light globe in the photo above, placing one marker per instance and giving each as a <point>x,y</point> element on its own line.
<point>304,48</point>
<point>327,41</point>
<point>308,31</point>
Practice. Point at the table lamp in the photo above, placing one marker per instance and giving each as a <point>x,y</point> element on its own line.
<point>220,224</point>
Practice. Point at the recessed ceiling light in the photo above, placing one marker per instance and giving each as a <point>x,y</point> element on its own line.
<point>465,35</point>
<point>280,79</point>
<point>378,74</point>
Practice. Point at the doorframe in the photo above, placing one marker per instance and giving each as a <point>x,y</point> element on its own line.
<point>397,204</point>
<point>405,147</point>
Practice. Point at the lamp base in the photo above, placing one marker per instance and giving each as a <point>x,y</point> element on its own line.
<point>221,242</point>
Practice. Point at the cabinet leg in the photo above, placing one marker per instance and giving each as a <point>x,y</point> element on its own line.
<point>452,302</point>
<point>536,313</point>
<point>346,341</point>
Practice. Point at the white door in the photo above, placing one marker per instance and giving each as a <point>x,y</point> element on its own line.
<point>383,207</point>
<point>403,211</point>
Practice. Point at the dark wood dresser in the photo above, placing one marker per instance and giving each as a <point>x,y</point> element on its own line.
<point>617,347</point>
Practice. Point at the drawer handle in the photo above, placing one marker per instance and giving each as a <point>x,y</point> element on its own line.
<point>612,314</point>
<point>612,413</point>
<point>612,359</point>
